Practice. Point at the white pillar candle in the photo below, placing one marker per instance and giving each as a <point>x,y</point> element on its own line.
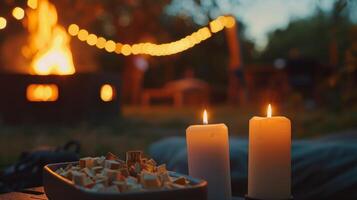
<point>269,165</point>
<point>208,157</point>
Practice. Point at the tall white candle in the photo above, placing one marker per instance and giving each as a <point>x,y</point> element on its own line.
<point>269,165</point>
<point>208,157</point>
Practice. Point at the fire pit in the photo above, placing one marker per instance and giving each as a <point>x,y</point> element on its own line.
<point>50,89</point>
<point>65,98</point>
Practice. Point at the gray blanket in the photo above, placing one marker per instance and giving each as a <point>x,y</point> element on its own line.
<point>324,168</point>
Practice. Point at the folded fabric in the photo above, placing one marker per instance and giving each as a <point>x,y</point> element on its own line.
<point>324,168</point>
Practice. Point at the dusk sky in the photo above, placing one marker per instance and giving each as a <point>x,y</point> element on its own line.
<point>263,16</point>
<point>259,16</point>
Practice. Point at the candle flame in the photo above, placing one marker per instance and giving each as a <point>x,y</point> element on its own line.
<point>269,112</point>
<point>205,117</point>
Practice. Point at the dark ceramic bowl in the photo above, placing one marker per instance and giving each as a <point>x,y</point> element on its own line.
<point>59,188</point>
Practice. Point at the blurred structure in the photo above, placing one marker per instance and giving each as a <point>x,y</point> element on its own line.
<point>186,91</point>
<point>236,82</point>
<point>133,78</point>
<point>323,39</point>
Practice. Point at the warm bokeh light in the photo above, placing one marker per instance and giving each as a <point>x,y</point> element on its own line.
<point>49,42</point>
<point>230,22</point>
<point>3,23</point>
<point>136,49</point>
<point>42,92</point>
<point>32,3</point>
<point>269,111</point>
<point>82,35</point>
<point>73,29</point>
<point>205,117</point>
<point>205,33</point>
<point>217,24</point>
<point>110,46</point>
<point>92,39</point>
<point>118,47</point>
<point>101,42</point>
<point>126,49</point>
<point>18,13</point>
<point>154,49</point>
<point>107,93</point>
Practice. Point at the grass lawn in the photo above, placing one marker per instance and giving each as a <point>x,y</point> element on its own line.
<point>138,127</point>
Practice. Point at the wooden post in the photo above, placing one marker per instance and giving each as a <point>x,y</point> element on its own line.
<point>236,90</point>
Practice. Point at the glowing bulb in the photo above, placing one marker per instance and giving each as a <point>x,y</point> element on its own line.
<point>118,47</point>
<point>3,23</point>
<point>230,22</point>
<point>217,25</point>
<point>136,49</point>
<point>32,4</point>
<point>221,20</point>
<point>110,46</point>
<point>149,48</point>
<point>101,42</point>
<point>126,49</point>
<point>197,37</point>
<point>92,39</point>
<point>269,111</point>
<point>205,33</point>
<point>82,35</point>
<point>73,29</point>
<point>18,13</point>
<point>205,117</point>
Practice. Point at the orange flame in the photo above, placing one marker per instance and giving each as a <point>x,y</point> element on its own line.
<point>205,117</point>
<point>49,42</point>
<point>269,111</point>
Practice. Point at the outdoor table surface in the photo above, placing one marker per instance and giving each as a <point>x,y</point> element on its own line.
<point>28,194</point>
<point>38,194</point>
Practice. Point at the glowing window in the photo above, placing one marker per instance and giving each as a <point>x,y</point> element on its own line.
<point>107,92</point>
<point>42,92</point>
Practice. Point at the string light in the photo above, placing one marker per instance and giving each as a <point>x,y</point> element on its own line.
<point>136,49</point>
<point>126,50</point>
<point>118,47</point>
<point>217,24</point>
<point>92,39</point>
<point>164,49</point>
<point>230,22</point>
<point>111,46</point>
<point>82,35</point>
<point>101,42</point>
<point>73,29</point>
<point>18,13</point>
<point>3,23</point>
